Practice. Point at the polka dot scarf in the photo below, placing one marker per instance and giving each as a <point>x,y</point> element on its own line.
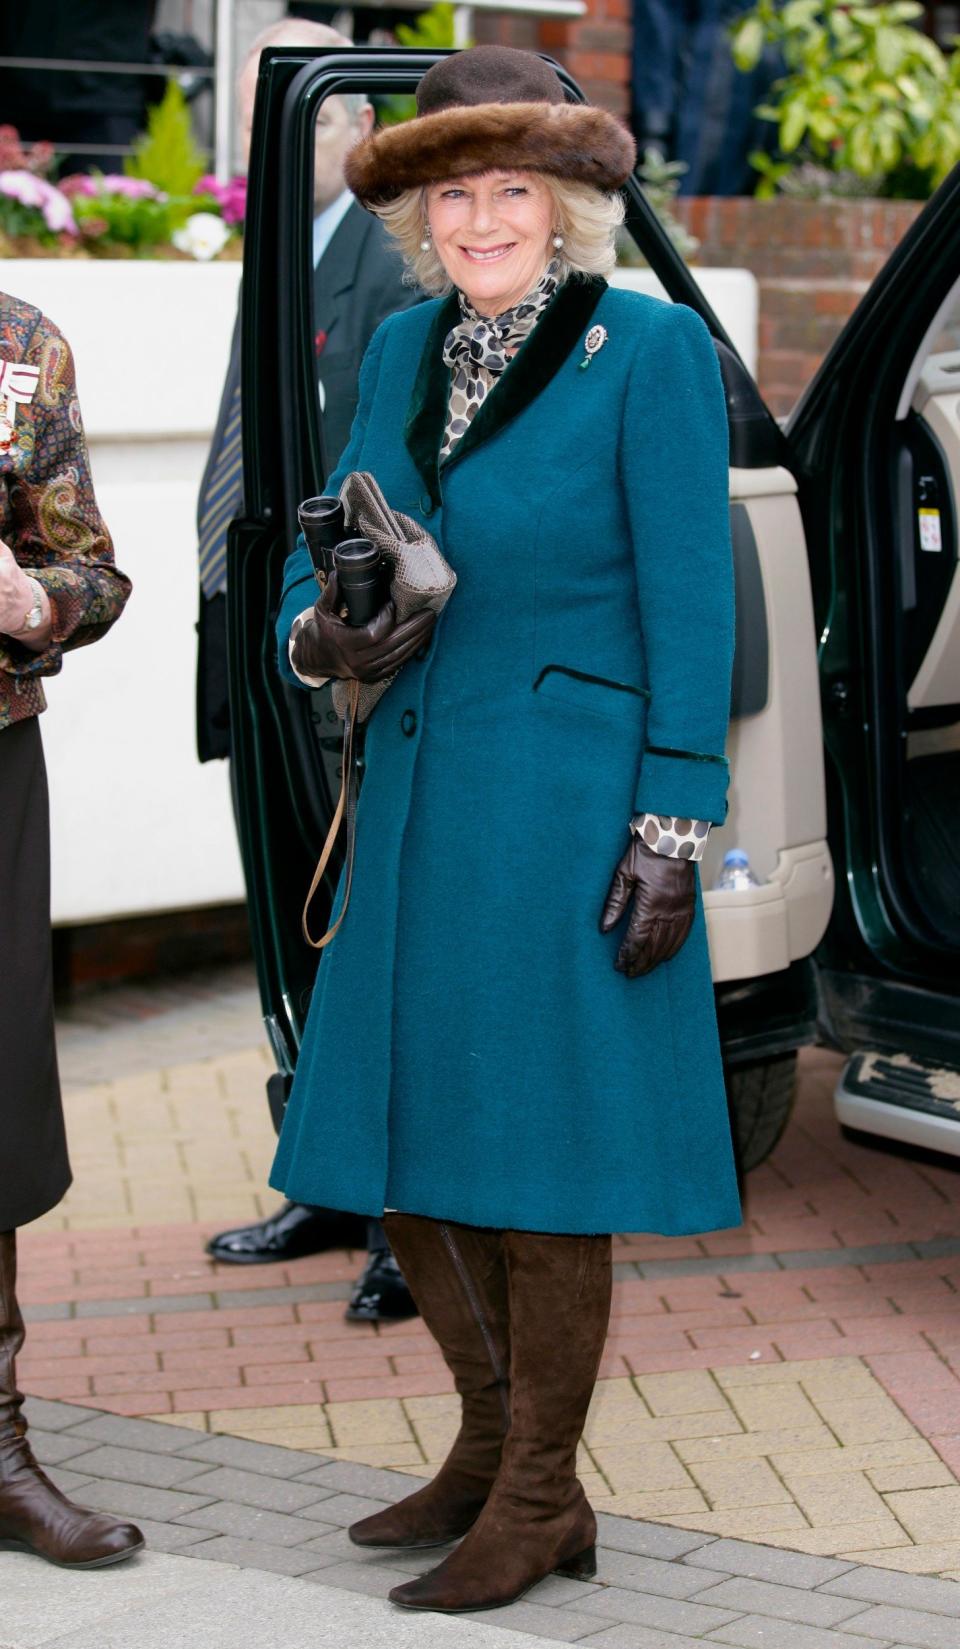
<point>478,349</point>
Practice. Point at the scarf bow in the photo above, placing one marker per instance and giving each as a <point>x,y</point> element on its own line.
<point>488,342</point>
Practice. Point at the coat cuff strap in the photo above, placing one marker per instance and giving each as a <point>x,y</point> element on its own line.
<point>682,783</point>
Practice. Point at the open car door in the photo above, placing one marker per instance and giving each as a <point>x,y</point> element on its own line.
<point>875,443</point>
<point>287,741</point>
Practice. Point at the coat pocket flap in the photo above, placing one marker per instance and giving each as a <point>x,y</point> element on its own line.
<point>583,691</point>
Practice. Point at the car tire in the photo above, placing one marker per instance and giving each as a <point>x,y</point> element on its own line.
<point>760,1097</point>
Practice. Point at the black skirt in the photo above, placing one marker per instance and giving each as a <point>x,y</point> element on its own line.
<point>34,1167</point>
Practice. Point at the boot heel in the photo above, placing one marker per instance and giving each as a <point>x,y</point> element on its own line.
<point>581,1567</point>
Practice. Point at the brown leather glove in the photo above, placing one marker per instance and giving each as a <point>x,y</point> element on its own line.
<point>664,894</point>
<point>326,646</point>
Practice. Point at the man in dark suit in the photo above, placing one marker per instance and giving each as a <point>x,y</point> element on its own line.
<point>357,284</point>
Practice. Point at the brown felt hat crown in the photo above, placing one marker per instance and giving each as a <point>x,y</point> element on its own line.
<point>487,108</point>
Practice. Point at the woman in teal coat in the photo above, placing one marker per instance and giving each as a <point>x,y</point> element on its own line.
<point>489,1055</point>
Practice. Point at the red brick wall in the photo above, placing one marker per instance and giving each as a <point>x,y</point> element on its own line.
<point>813,260</point>
<point>595,48</point>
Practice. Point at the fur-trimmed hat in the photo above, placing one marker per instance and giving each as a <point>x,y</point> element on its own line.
<point>486,108</point>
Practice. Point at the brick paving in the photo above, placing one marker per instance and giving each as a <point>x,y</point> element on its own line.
<point>792,1382</point>
<point>282,1512</point>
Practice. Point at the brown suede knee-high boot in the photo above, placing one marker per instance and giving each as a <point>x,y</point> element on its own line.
<point>34,1515</point>
<point>457,1277</point>
<point>537,1518</point>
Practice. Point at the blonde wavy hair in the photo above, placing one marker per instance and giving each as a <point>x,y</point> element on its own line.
<point>587,219</point>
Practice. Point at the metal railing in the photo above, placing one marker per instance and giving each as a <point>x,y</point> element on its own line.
<point>222,73</point>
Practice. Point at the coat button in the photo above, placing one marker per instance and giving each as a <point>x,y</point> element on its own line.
<point>427,506</point>
<point>408,723</point>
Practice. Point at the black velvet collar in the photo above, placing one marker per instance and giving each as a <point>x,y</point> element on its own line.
<point>541,355</point>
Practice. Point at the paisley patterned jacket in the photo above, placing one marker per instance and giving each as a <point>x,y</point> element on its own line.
<point>48,514</point>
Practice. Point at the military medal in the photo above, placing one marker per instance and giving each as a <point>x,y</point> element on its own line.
<point>593,343</point>
<point>18,384</point>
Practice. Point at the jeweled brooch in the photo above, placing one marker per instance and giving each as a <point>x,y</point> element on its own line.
<point>593,343</point>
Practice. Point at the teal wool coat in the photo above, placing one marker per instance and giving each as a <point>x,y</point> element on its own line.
<point>470,1052</point>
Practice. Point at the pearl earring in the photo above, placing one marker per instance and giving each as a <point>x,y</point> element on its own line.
<point>427,241</point>
<point>558,241</point>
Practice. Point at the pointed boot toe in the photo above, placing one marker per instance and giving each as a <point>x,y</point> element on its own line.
<point>420,1594</point>
<point>497,1565</point>
<point>427,1518</point>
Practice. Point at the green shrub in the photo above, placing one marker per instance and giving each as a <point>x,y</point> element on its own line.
<point>867,97</point>
<point>168,155</point>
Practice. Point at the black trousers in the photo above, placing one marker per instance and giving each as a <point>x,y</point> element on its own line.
<point>34,1167</point>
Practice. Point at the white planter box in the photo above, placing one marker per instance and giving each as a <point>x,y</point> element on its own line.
<point>733,295</point>
<point>137,823</point>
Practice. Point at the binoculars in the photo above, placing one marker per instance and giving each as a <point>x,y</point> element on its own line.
<point>363,579</point>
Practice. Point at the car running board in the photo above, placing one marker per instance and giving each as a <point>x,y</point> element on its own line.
<point>902,1098</point>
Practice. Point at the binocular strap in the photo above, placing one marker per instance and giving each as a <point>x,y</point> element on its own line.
<point>346,806</point>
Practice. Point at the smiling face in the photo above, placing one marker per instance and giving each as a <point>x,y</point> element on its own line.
<point>492,234</point>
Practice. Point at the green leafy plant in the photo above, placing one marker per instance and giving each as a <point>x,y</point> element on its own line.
<point>433,30</point>
<point>168,155</point>
<point>661,184</point>
<point>867,97</point>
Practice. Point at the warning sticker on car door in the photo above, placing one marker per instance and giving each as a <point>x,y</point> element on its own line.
<point>931,537</point>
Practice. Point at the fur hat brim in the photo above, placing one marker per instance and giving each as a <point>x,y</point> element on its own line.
<point>572,141</point>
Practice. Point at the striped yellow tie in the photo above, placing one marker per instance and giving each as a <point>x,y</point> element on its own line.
<point>221,504</point>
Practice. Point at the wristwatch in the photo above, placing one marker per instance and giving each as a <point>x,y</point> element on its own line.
<point>34,615</point>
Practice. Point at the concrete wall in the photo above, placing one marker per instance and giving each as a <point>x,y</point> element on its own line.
<point>137,824</point>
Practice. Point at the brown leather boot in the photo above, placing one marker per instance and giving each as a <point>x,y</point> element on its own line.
<point>457,1277</point>
<point>537,1520</point>
<point>34,1515</point>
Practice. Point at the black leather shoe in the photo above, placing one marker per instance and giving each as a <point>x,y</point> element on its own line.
<point>381,1295</point>
<point>295,1230</point>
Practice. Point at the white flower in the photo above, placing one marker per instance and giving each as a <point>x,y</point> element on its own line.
<point>203,236</point>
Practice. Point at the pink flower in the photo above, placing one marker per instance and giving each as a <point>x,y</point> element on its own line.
<point>34,191</point>
<point>12,154</point>
<point>78,183</point>
<point>231,197</point>
<point>234,203</point>
<point>14,157</point>
<point>21,186</point>
<point>57,212</point>
<point>41,157</point>
<point>135,188</point>
<point>109,183</point>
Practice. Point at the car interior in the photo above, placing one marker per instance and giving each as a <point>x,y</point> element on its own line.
<point>926,478</point>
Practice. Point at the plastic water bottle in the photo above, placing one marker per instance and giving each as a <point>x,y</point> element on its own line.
<point>735,873</point>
